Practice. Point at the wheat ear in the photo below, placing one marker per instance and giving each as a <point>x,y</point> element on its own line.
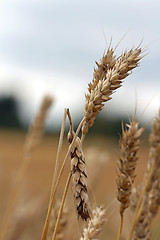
<point>95,224</point>
<point>79,176</point>
<point>129,146</point>
<point>32,140</point>
<point>105,87</point>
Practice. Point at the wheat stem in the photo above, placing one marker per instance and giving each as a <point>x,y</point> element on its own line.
<point>61,206</point>
<point>55,173</point>
<point>59,149</point>
<point>120,228</point>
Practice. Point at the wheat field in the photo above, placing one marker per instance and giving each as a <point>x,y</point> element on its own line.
<point>80,187</point>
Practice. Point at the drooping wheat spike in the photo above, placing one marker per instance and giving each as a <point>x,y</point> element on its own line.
<point>95,224</point>
<point>142,229</point>
<point>154,198</point>
<point>62,223</point>
<point>100,91</point>
<point>79,178</point>
<point>129,146</point>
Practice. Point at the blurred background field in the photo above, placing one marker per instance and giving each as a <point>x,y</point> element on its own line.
<point>28,217</point>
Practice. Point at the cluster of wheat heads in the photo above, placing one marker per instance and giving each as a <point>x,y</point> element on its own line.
<point>107,77</point>
<point>144,199</point>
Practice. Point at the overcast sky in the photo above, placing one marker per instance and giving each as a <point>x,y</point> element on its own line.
<point>49,46</point>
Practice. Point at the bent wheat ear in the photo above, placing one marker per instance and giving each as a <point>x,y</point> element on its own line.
<point>102,88</point>
<point>129,145</point>
<point>79,178</point>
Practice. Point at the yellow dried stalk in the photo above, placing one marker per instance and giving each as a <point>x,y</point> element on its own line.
<point>79,178</point>
<point>95,224</point>
<point>129,146</point>
<point>101,90</point>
